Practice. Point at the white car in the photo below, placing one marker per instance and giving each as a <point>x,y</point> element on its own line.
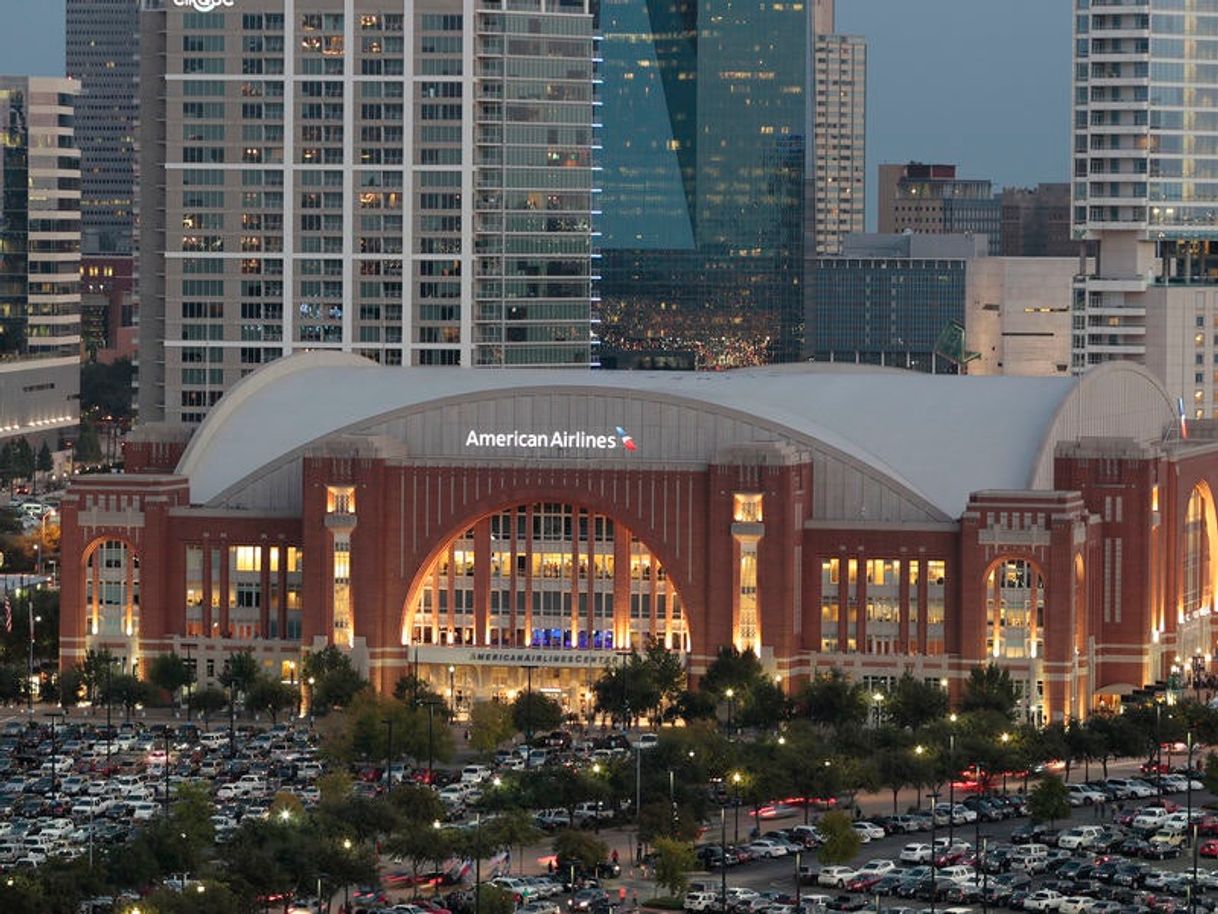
<point>835,877</point>
<point>1150,817</point>
<point>1043,900</point>
<point>877,867</point>
<point>1073,904</point>
<point>1081,836</point>
<point>767,847</point>
<point>874,832</point>
<point>646,741</point>
<point>1083,795</point>
<point>915,853</point>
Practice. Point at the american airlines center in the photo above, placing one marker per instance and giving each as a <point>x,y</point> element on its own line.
<point>492,528</point>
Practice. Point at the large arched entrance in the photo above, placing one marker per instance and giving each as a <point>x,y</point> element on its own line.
<point>110,598</point>
<point>1015,622</point>
<point>554,585</point>
<point>1197,578</point>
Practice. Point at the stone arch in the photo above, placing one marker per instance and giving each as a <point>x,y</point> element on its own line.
<point>1022,574</point>
<point>94,580</point>
<point>675,569</point>
<point>1199,570</point>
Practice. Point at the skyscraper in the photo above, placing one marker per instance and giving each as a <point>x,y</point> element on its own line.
<point>39,257</point>
<point>103,55</point>
<point>1145,166</point>
<point>706,110</point>
<point>839,155</point>
<point>932,200</point>
<point>409,182</point>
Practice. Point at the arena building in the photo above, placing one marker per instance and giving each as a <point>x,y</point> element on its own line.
<point>495,529</point>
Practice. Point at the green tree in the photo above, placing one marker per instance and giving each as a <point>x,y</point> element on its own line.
<point>71,686</point>
<point>44,463</point>
<point>490,724</point>
<point>673,861</point>
<point>841,843</point>
<point>24,460</point>
<point>240,672</point>
<point>270,696</point>
<point>169,672</point>
<point>732,669</point>
<point>88,445</point>
<point>832,700</point>
<point>206,702</point>
<point>13,682</point>
<point>990,688</point>
<point>334,681</point>
<point>535,713</point>
<point>95,669</point>
<point>578,847</point>
<point>629,690</point>
<point>1049,800</point>
<point>415,691</point>
<point>494,900</point>
<point>126,691</point>
<point>913,703</point>
<point>206,897</point>
<point>897,767</point>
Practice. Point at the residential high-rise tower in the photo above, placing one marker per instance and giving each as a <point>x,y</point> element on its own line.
<point>39,257</point>
<point>1145,189</point>
<point>411,182</point>
<point>839,118</point>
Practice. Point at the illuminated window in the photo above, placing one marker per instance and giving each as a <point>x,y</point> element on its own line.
<point>747,508</point>
<point>248,558</point>
<point>340,500</point>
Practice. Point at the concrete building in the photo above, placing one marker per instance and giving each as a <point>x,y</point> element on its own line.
<point>39,257</point>
<point>492,530</point>
<point>932,200</point>
<point>1036,222</point>
<point>413,185</point>
<point>940,303</point>
<point>1145,161</point>
<point>103,56</point>
<point>839,134</point>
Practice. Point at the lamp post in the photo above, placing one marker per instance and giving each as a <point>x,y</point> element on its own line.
<point>109,706</point>
<point>736,779</point>
<point>478,865</point>
<point>934,799</point>
<point>452,693</point>
<point>346,886</point>
<point>730,694</point>
<point>1005,738</point>
<point>951,783</point>
<point>1191,833</point>
<point>54,759</point>
<point>877,704</point>
<point>723,859</point>
<point>919,751</point>
<point>388,722</point>
<point>190,679</point>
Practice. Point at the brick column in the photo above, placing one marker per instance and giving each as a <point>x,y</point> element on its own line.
<point>903,601</point>
<point>264,597</point>
<point>482,579</point>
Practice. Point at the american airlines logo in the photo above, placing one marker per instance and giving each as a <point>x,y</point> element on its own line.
<point>204,6</point>
<point>551,440</point>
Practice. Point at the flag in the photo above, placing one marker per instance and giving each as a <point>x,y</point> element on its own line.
<point>8,613</point>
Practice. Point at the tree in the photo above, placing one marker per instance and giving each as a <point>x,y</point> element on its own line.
<point>126,690</point>
<point>270,696</point>
<point>629,690</point>
<point>990,688</point>
<point>494,900</point>
<point>44,463</point>
<point>832,700</point>
<point>415,691</point>
<point>13,682</point>
<point>24,460</point>
<point>673,860</point>
<point>334,681</point>
<point>841,843</point>
<point>580,848</point>
<point>169,672</point>
<point>1049,800</point>
<point>105,389</point>
<point>71,686</point>
<point>240,672</point>
<point>490,723</point>
<point>914,703</point>
<point>206,702</point>
<point>95,669</point>
<point>532,711</point>
<point>732,669</point>
<point>897,768</point>
<point>88,445</point>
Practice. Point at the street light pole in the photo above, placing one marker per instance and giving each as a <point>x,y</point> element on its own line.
<point>478,864</point>
<point>934,800</point>
<point>951,785</point>
<point>452,693</point>
<point>388,722</point>
<point>29,684</point>
<point>723,859</point>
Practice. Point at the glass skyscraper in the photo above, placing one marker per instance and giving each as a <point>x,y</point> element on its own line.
<point>705,120</point>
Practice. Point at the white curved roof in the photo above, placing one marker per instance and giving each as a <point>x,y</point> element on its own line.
<point>941,437</point>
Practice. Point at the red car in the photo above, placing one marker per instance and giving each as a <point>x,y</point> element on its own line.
<point>863,883</point>
<point>1208,848</point>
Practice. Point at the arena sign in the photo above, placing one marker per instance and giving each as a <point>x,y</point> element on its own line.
<point>552,440</point>
<point>204,6</point>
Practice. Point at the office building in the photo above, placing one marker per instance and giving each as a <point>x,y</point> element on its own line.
<point>839,134</point>
<point>103,56</point>
<point>1145,163</point>
<point>874,521</point>
<point>702,214</point>
<point>409,184</point>
<point>940,304</point>
<point>932,200</point>
<point>1036,222</point>
<point>39,257</point>
<point>107,307</point>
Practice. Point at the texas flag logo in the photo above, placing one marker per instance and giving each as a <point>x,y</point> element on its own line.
<point>627,441</point>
